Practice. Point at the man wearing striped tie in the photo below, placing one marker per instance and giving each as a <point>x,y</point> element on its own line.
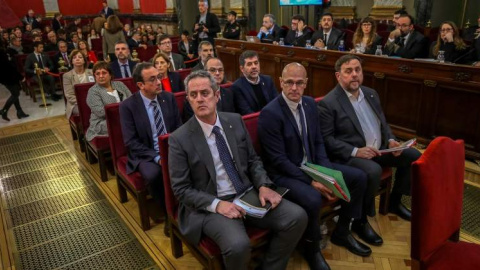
<point>148,114</point>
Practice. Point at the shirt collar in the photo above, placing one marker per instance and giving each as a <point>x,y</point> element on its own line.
<point>120,63</point>
<point>252,82</point>
<point>146,101</point>
<point>292,105</point>
<point>360,95</point>
<point>207,128</point>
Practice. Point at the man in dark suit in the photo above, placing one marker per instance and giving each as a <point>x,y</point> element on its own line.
<point>134,42</point>
<point>327,37</point>
<point>355,129</point>
<point>205,50</point>
<point>106,10</point>
<point>253,90</point>
<point>405,41</point>
<point>72,27</point>
<point>270,32</point>
<point>52,44</point>
<point>164,43</point>
<point>62,54</point>
<point>44,63</point>
<point>144,116</point>
<point>123,67</point>
<point>289,132</point>
<point>206,24</point>
<point>226,102</point>
<point>299,33</point>
<point>211,161</point>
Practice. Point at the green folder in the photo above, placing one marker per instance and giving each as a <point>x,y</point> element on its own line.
<point>332,179</point>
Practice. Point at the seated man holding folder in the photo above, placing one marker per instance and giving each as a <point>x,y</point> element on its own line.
<point>212,161</point>
<point>355,131</point>
<point>284,125</point>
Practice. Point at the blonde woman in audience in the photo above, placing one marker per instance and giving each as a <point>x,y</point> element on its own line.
<point>450,42</point>
<point>79,74</point>
<point>113,34</point>
<point>91,56</point>
<point>171,81</point>
<point>366,37</point>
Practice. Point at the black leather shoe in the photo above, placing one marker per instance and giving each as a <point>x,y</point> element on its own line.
<point>315,260</point>
<point>56,97</point>
<point>21,115</point>
<point>401,211</point>
<point>367,233</point>
<point>351,244</point>
<point>4,115</point>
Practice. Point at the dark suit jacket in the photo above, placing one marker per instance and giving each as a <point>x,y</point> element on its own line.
<point>225,104</point>
<point>32,59</point>
<point>57,58</point>
<point>116,68</point>
<point>416,47</point>
<point>193,174</point>
<point>56,25</point>
<point>276,34</point>
<point>282,142</point>
<point>451,53</point>
<point>300,41</point>
<point>333,40</point>
<point>245,99</point>
<point>132,44</point>
<point>136,130</point>
<point>211,22</point>
<point>178,60</point>
<point>108,13</point>
<point>183,51</point>
<point>341,128</point>
<point>176,82</point>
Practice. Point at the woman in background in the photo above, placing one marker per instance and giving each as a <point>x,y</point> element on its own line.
<point>171,81</point>
<point>366,36</point>
<point>85,49</point>
<point>113,34</point>
<point>450,42</point>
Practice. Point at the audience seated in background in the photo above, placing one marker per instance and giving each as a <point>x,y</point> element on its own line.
<point>37,23</point>
<point>405,41</point>
<point>288,144</point>
<point>92,35</point>
<point>299,33</point>
<point>165,46</point>
<point>29,18</point>
<point>72,27</point>
<point>98,24</point>
<point>327,36</point>
<point>226,102</point>
<point>366,38</point>
<point>449,41</point>
<point>354,130</point>
<point>61,35</point>
<point>396,15</point>
<point>199,156</point>
<point>253,90</point>
<point>270,31</point>
<point>104,91</point>
<point>205,50</point>
<point>79,74</point>
<point>171,81</point>
<point>51,45</point>
<point>46,65</point>
<point>56,24</point>
<point>91,56</point>
<point>73,44</point>
<point>135,41</point>
<point>232,29</point>
<point>62,54</point>
<point>148,114</point>
<point>122,66</point>
<point>185,47</point>
<point>15,46</point>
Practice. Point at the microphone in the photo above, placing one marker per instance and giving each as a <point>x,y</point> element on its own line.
<point>463,56</point>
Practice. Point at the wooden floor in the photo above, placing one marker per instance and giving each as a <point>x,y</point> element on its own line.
<point>394,254</point>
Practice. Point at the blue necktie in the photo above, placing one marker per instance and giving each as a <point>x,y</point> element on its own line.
<point>227,161</point>
<point>304,134</point>
<point>158,119</point>
<point>125,71</point>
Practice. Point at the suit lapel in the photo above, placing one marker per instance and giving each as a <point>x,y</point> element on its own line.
<point>230,134</point>
<point>250,90</point>
<point>203,151</point>
<point>308,111</point>
<point>144,115</point>
<point>348,108</point>
<point>286,110</point>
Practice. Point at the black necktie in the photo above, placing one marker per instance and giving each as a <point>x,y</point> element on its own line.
<point>39,59</point>
<point>227,161</point>
<point>325,39</point>
<point>306,145</point>
<point>401,43</point>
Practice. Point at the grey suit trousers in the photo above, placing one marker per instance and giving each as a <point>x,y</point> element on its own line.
<point>287,223</point>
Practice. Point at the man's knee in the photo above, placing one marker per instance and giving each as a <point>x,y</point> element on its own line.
<point>238,248</point>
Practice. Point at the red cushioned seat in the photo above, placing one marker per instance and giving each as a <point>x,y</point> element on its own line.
<point>460,255</point>
<point>134,178</point>
<point>100,143</point>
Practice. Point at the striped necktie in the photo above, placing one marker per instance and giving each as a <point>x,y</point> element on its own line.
<point>157,115</point>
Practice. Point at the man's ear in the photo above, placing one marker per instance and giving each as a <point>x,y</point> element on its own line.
<point>140,85</point>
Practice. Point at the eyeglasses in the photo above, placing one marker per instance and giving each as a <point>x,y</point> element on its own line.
<point>166,43</point>
<point>291,83</point>
<point>215,70</point>
<point>154,79</point>
<point>446,30</point>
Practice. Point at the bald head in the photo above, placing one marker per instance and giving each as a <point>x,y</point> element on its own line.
<point>293,81</point>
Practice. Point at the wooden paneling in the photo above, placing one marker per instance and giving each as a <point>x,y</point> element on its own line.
<point>420,99</point>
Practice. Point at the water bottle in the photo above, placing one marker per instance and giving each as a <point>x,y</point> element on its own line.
<point>441,56</point>
<point>379,50</point>
<point>281,42</point>
<point>341,47</point>
<point>308,45</point>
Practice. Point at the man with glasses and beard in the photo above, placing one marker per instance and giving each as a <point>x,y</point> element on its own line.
<point>405,41</point>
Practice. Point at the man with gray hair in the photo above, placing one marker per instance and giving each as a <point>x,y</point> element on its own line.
<point>212,161</point>
<point>206,24</point>
<point>205,50</point>
<point>270,31</point>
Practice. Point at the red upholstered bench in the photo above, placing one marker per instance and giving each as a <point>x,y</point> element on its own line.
<point>180,99</point>
<point>207,252</point>
<point>133,183</point>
